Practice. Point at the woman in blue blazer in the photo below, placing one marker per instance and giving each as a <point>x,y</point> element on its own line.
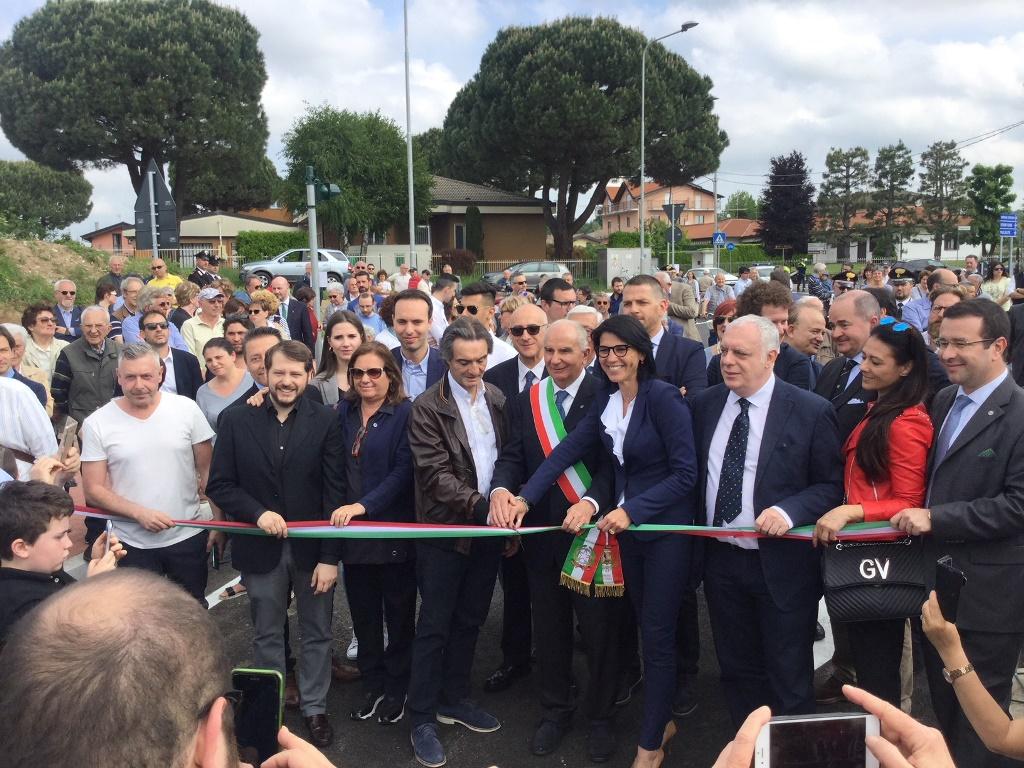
<point>644,425</point>
<point>380,574</point>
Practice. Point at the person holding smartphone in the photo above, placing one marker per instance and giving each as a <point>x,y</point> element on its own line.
<point>886,457</point>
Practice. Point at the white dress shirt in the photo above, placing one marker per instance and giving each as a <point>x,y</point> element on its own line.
<point>170,382</point>
<point>501,352</point>
<point>438,323</point>
<point>977,398</point>
<point>758,416</point>
<point>476,418</point>
<point>855,371</point>
<point>24,425</point>
<point>656,340</point>
<point>537,370</point>
<point>616,425</point>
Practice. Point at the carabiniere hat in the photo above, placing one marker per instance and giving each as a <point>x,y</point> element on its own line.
<point>901,275</point>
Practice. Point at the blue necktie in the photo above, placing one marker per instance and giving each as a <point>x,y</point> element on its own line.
<point>729,501</point>
<point>949,428</point>
<point>530,378</point>
<point>560,396</point>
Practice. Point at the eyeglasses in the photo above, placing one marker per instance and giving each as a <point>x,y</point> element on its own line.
<point>255,310</point>
<point>472,309</point>
<point>68,293</point>
<point>155,326</point>
<point>566,304</point>
<point>533,330</point>
<point>898,327</point>
<point>724,320</point>
<point>620,350</point>
<point>46,320</point>
<point>358,373</point>
<point>960,344</point>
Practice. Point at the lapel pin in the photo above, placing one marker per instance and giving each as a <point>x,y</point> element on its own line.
<point>991,413</point>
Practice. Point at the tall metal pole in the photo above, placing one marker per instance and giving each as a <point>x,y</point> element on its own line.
<point>152,213</point>
<point>714,231</point>
<point>408,141</point>
<point>314,251</point>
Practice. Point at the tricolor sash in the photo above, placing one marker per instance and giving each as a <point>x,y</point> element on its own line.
<point>551,431</point>
<point>594,559</point>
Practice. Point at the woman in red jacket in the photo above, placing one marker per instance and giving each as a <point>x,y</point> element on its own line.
<point>886,471</point>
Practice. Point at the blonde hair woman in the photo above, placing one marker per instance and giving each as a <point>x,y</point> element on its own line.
<point>263,312</point>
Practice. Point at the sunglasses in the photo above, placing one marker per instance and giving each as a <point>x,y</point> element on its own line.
<point>255,310</point>
<point>723,320</point>
<point>620,350</point>
<point>473,309</point>
<point>519,330</point>
<point>519,283</point>
<point>155,326</point>
<point>358,373</point>
<point>46,320</point>
<point>68,293</point>
<point>898,327</point>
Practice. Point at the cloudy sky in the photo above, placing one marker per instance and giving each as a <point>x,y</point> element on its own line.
<point>787,75</point>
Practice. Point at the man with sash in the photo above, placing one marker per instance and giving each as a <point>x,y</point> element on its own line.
<point>538,420</point>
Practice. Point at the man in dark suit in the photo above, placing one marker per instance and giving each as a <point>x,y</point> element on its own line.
<point>293,312</point>
<point>201,275</point>
<point>421,365</point>
<point>806,333</point>
<point>975,514</point>
<point>773,462</point>
<point>772,300</point>
<point>565,348</point>
<point>67,315</point>
<point>285,461</point>
<point>182,375</point>
<point>1016,315</point>
<point>526,332</point>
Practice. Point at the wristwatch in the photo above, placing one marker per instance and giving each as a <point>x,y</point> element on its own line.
<point>523,501</point>
<point>952,675</point>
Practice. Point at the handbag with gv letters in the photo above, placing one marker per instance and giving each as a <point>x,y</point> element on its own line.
<point>874,580</point>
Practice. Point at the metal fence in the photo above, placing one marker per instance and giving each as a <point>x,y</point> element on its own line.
<point>184,256</point>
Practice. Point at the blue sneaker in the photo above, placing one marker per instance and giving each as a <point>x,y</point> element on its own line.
<point>426,746</point>
<point>468,714</point>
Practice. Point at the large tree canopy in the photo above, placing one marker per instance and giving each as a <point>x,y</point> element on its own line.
<point>787,205</point>
<point>989,188</point>
<point>99,84</point>
<point>943,190</point>
<point>365,155</point>
<point>555,108</point>
<point>36,200</point>
<point>891,203</point>
<point>842,194</point>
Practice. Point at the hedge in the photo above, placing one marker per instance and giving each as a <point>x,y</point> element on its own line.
<point>257,246</point>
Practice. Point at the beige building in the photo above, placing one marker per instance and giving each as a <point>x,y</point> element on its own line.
<point>620,211</point>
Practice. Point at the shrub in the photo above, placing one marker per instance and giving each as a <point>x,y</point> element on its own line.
<point>463,261</point>
<point>624,240</point>
<point>257,246</point>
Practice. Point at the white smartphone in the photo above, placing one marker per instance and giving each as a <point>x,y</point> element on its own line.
<point>816,741</point>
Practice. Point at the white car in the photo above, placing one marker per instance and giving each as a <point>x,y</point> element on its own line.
<point>699,272</point>
<point>292,265</point>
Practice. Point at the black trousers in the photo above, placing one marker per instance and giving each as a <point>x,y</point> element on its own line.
<point>553,609</point>
<point>378,594</point>
<point>183,563</point>
<point>877,648</point>
<point>994,656</point>
<point>517,624</point>
<point>688,636</point>
<point>455,595</point>
<point>765,653</point>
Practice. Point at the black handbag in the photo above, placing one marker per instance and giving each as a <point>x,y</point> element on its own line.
<point>874,580</point>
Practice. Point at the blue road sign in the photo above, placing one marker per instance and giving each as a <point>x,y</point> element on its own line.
<point>731,247</point>
<point>1007,225</point>
<point>718,238</point>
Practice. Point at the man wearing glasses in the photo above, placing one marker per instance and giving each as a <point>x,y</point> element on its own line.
<point>67,315</point>
<point>182,374</point>
<point>916,312</point>
<point>162,277</point>
<point>152,297</point>
<point>557,297</point>
<point>207,323</point>
<point>519,286</point>
<point>478,301</point>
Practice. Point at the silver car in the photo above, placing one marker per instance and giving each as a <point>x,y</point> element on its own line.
<point>292,265</point>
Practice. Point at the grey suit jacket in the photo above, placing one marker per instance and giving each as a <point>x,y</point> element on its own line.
<point>683,307</point>
<point>976,498</point>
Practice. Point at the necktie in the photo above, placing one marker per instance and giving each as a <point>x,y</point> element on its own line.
<point>530,378</point>
<point>729,501</point>
<point>899,309</point>
<point>949,428</point>
<point>284,311</point>
<point>560,396</point>
<point>844,375</point>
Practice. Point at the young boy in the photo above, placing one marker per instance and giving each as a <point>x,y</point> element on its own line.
<point>35,521</point>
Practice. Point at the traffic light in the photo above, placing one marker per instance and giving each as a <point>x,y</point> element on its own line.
<point>325,191</point>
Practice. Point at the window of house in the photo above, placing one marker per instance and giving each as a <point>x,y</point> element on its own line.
<point>949,243</point>
<point>460,237</point>
<point>696,200</point>
<point>117,241</point>
<point>627,222</point>
<point>700,218</point>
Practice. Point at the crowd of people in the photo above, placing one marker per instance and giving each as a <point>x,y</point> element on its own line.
<point>413,398</point>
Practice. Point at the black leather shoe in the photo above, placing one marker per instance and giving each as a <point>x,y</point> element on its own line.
<point>685,701</point>
<point>547,737</point>
<point>819,632</point>
<point>504,676</point>
<point>320,732</point>
<point>628,682</point>
<point>600,742</point>
<point>828,683</point>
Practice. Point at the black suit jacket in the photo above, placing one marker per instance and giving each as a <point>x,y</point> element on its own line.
<point>799,469</point>
<point>976,498</point>
<point>299,326</point>
<point>311,484</point>
<point>681,362</point>
<point>1017,342</point>
<point>188,377</point>
<point>76,323</point>
<point>505,376</point>
<point>791,366</point>
<point>436,367</point>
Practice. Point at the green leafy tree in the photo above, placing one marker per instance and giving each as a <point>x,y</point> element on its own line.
<point>428,146</point>
<point>890,202</point>
<point>36,200</point>
<point>474,232</point>
<point>740,205</point>
<point>787,206</point>
<point>365,155</point>
<point>96,84</point>
<point>843,192</point>
<point>989,190</point>
<point>555,108</point>
<point>943,190</point>
<point>226,182</point>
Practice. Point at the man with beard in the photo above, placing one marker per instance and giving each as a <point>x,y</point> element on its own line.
<point>255,480</point>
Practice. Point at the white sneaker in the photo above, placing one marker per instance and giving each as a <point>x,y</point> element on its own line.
<point>353,649</point>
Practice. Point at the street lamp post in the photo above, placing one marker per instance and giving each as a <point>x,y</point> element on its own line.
<point>643,104</point>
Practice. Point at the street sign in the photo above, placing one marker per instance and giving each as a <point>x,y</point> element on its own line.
<point>731,247</point>
<point>1007,225</point>
<point>718,238</point>
<point>673,210</point>
<point>673,235</point>
<point>166,216</point>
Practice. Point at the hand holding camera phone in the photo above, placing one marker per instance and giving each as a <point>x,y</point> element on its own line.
<point>258,713</point>
<point>949,580</point>
<point>823,741</point>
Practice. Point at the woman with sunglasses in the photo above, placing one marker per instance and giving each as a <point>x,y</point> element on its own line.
<point>644,426</point>
<point>724,314</point>
<point>343,335</point>
<point>997,287</point>
<point>263,312</point>
<point>886,467</point>
<point>380,574</point>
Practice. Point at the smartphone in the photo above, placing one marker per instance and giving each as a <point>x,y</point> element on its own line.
<point>68,438</point>
<point>110,532</point>
<point>259,713</point>
<point>816,741</point>
<point>949,580</point>
<point>215,558</point>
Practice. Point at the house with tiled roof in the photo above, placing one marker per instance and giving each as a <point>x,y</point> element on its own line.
<point>620,211</point>
<point>736,231</point>
<point>918,242</point>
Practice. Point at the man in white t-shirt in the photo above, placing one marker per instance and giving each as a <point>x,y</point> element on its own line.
<point>146,458</point>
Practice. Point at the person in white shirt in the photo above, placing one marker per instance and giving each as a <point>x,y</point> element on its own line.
<point>400,281</point>
<point>24,426</point>
<point>478,300</point>
<point>443,293</point>
<point>743,282</point>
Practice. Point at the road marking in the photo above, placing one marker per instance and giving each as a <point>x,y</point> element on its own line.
<point>213,598</point>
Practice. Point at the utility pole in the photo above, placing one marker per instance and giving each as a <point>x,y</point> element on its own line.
<point>408,142</point>
<point>152,212</point>
<point>314,251</point>
<point>714,197</point>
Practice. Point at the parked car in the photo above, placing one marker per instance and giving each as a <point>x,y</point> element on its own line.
<point>292,265</point>
<point>533,270</point>
<point>699,272</point>
<point>764,271</point>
